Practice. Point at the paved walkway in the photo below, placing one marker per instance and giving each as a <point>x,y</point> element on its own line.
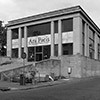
<point>5,86</point>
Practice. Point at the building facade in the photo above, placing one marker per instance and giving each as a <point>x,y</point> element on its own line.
<point>67,31</point>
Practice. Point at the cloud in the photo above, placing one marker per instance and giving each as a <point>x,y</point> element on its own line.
<point>14,9</point>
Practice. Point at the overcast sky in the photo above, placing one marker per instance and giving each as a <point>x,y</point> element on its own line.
<point>14,9</point>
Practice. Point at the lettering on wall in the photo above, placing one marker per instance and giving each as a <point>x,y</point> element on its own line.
<point>67,37</point>
<point>39,40</point>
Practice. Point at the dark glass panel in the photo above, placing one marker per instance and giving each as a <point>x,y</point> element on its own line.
<point>39,49</point>
<point>55,26</point>
<point>15,33</point>
<point>67,25</point>
<point>46,52</point>
<point>22,31</point>
<point>38,57</point>
<point>15,53</point>
<point>56,50</point>
<point>31,54</point>
<point>67,49</point>
<point>39,29</point>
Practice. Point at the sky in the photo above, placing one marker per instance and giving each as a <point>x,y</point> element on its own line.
<point>15,9</point>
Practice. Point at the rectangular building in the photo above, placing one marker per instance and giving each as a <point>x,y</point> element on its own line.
<point>68,31</point>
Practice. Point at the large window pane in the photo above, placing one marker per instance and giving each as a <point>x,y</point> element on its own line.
<point>39,29</point>
<point>46,52</point>
<point>39,57</point>
<point>31,54</point>
<point>15,33</point>
<point>39,49</point>
<point>67,49</point>
<point>15,53</point>
<point>22,31</point>
<point>55,26</point>
<point>67,25</point>
<point>91,42</point>
<point>56,50</point>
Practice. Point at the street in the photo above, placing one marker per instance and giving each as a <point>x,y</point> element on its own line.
<point>85,89</point>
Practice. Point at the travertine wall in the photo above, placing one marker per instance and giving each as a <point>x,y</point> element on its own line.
<point>81,67</point>
<point>73,62</point>
<point>89,67</point>
<point>7,75</point>
<point>49,66</point>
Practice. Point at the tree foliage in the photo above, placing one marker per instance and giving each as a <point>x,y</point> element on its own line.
<point>3,40</point>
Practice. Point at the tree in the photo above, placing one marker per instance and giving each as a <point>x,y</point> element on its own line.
<point>3,40</point>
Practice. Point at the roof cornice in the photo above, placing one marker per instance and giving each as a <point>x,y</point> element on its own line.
<point>45,15</point>
<point>52,14</point>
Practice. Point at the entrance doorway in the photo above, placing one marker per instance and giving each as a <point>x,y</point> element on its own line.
<point>38,57</point>
<point>38,53</point>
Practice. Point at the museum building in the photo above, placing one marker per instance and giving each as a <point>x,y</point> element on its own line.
<point>67,31</point>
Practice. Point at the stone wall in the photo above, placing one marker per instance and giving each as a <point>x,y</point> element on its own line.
<point>81,67</point>
<point>89,67</point>
<point>48,67</point>
<point>74,62</point>
<point>15,73</point>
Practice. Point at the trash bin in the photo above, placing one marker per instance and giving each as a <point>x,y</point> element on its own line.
<point>22,79</point>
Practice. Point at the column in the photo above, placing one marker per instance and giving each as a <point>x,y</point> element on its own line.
<point>86,40</point>
<point>20,42</point>
<point>9,42</point>
<point>77,35</point>
<point>52,38</point>
<point>59,38</point>
<point>96,46</point>
<point>25,41</point>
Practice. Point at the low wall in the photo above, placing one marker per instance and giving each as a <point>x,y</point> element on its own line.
<point>89,67</point>
<point>9,74</point>
<point>81,67</point>
<point>74,62</point>
<point>49,66</point>
<point>4,60</point>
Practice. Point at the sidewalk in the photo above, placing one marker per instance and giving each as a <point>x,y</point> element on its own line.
<point>6,86</point>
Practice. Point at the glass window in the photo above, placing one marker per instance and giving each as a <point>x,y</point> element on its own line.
<point>56,49</point>
<point>31,54</point>
<point>46,52</point>
<point>39,57</point>
<point>39,53</point>
<point>98,51</point>
<point>67,25</point>
<point>83,37</point>
<point>39,29</point>
<point>99,48</point>
<point>67,49</point>
<point>22,31</point>
<point>22,50</point>
<point>39,49</point>
<point>15,33</point>
<point>91,42</point>
<point>55,26</point>
<point>15,53</point>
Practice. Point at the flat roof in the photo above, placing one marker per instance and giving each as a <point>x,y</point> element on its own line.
<point>70,10</point>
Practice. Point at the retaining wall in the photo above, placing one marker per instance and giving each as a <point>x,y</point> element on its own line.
<point>81,67</point>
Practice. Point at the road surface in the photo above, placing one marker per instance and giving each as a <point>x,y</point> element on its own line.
<point>88,89</point>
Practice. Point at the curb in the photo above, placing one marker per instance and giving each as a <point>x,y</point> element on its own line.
<point>40,85</point>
